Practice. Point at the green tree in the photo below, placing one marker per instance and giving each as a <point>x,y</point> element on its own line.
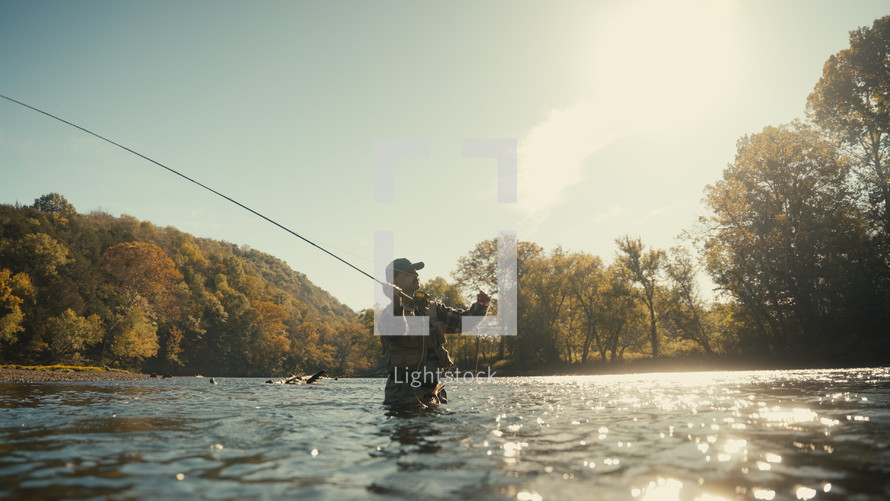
<point>784,238</point>
<point>852,101</point>
<point>478,270</point>
<point>56,205</point>
<point>544,295</point>
<point>604,300</point>
<point>685,312</point>
<point>444,292</point>
<point>40,256</point>
<point>643,268</point>
<point>70,333</point>
<point>586,282</point>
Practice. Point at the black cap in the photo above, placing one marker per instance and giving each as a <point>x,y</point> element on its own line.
<point>403,264</point>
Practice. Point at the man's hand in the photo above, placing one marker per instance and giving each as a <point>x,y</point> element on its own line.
<point>483,299</point>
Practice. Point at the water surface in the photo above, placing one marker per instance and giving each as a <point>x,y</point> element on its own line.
<point>822,434</point>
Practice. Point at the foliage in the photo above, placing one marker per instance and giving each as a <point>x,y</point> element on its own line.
<point>786,239</point>
<point>119,291</point>
<point>70,333</point>
<point>57,205</point>
<point>852,102</point>
<point>13,291</point>
<point>643,269</point>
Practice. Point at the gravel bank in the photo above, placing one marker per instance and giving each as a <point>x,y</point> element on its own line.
<point>32,376</point>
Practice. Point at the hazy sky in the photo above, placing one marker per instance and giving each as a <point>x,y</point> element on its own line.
<point>622,111</point>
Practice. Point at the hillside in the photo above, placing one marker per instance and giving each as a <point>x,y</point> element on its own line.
<point>122,292</point>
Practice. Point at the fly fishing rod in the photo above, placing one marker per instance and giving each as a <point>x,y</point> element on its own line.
<point>239,204</point>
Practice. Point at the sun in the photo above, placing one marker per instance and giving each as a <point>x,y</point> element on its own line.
<point>664,64</point>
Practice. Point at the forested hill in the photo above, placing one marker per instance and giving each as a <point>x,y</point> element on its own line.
<point>94,288</point>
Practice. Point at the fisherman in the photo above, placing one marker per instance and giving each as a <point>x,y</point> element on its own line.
<point>415,362</point>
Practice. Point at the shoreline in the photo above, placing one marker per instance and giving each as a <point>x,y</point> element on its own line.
<point>8,375</point>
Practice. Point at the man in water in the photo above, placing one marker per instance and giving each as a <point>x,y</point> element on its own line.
<point>415,361</point>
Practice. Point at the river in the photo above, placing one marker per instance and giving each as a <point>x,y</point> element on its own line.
<point>705,436</point>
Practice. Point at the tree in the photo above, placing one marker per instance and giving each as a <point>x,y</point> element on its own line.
<point>143,276</point>
<point>478,270</point>
<point>784,238</point>
<point>134,337</point>
<point>603,298</point>
<point>40,256</point>
<point>544,294</point>
<point>852,101</point>
<point>13,291</point>
<point>586,281</point>
<point>173,345</point>
<point>444,292</point>
<point>685,311</point>
<point>70,333</point>
<point>358,349</point>
<point>141,268</point>
<point>56,205</point>
<point>643,268</point>
<point>267,344</point>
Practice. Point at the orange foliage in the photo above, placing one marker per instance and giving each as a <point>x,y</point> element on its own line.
<point>141,266</point>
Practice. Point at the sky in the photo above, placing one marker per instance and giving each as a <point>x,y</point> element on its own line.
<point>622,113</point>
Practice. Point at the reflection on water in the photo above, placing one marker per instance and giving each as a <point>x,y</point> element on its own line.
<point>694,436</point>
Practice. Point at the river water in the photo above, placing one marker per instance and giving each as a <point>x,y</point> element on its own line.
<point>707,436</point>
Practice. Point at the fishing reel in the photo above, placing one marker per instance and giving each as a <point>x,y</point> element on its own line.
<point>421,300</point>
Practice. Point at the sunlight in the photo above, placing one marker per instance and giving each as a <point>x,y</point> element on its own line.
<point>667,63</point>
<point>657,67</point>
<point>703,378</point>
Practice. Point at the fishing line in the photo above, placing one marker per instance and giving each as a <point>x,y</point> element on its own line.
<point>239,204</point>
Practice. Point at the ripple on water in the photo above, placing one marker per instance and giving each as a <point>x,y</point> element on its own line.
<point>702,436</point>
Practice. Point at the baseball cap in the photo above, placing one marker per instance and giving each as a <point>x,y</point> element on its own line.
<point>403,264</point>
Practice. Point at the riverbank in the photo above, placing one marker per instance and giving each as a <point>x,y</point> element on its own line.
<point>35,374</point>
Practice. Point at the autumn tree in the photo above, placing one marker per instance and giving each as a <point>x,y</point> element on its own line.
<point>851,101</point>
<point>266,343</point>
<point>357,351</point>
<point>141,268</point>
<point>144,276</point>
<point>14,288</point>
<point>603,298</point>
<point>173,345</point>
<point>134,337</point>
<point>308,352</point>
